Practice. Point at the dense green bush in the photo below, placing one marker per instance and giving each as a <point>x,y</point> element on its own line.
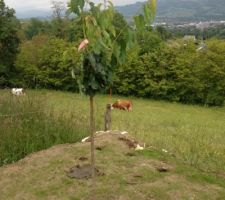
<point>41,63</point>
<point>9,41</point>
<point>176,72</point>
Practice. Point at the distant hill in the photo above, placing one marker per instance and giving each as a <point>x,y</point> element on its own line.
<point>26,14</point>
<point>167,10</point>
<point>181,10</point>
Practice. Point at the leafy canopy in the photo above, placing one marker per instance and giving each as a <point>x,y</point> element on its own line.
<point>9,42</point>
<point>106,49</point>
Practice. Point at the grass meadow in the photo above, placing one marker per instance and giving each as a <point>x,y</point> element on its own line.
<point>194,135</point>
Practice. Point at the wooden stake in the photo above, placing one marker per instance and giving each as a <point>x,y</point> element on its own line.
<point>92,131</point>
<point>108,117</point>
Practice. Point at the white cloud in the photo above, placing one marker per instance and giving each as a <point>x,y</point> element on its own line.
<point>46,4</point>
<point>29,4</point>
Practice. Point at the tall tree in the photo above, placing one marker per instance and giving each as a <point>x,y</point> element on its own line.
<point>9,42</point>
<point>103,50</point>
<point>59,22</point>
<point>34,28</point>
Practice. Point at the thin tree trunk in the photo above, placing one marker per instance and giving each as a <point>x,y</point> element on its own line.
<point>92,131</point>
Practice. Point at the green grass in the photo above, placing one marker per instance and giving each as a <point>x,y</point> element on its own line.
<point>193,134</point>
<point>43,175</point>
<point>190,172</point>
<point>28,124</point>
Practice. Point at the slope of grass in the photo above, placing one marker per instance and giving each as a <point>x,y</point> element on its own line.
<point>193,134</point>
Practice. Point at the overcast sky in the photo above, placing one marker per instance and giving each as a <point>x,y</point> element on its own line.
<point>46,4</point>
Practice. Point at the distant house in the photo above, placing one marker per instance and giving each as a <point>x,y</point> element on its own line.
<point>189,38</point>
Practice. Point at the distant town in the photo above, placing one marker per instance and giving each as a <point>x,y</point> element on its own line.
<point>199,25</point>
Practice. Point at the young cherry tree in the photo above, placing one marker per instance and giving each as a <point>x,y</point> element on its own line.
<point>102,49</point>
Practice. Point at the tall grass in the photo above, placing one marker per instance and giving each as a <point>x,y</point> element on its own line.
<point>28,124</point>
<point>193,134</point>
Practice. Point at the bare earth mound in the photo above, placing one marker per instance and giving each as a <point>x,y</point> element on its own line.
<point>123,174</point>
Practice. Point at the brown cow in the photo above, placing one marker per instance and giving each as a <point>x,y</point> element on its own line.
<point>122,105</point>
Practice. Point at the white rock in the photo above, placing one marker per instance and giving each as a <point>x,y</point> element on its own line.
<point>100,132</point>
<point>85,139</point>
<point>124,132</point>
<point>139,148</point>
<point>164,150</point>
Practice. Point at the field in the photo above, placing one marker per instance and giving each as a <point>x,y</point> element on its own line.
<point>192,136</point>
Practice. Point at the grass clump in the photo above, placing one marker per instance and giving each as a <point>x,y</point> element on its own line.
<point>192,134</point>
<point>29,124</point>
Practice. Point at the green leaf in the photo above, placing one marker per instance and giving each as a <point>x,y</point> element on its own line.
<point>122,57</point>
<point>113,31</point>
<point>94,84</point>
<point>139,22</point>
<point>116,51</point>
<point>73,74</point>
<point>153,4</point>
<point>92,60</point>
<point>76,6</point>
<point>101,69</point>
<point>147,13</point>
<point>130,38</point>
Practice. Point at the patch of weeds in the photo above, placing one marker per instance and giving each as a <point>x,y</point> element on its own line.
<point>151,176</point>
<point>67,181</point>
<point>104,192</point>
<point>202,177</point>
<point>159,193</point>
<point>152,154</point>
<point>41,193</point>
<point>222,196</point>
<point>74,198</point>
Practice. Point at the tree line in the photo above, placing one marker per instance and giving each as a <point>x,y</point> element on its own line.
<point>42,53</point>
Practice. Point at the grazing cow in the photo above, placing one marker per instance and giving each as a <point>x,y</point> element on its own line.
<point>17,91</point>
<point>122,105</point>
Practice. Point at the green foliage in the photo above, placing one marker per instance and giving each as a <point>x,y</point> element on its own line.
<point>76,6</point>
<point>9,41</point>
<point>53,71</point>
<point>154,68</point>
<point>163,33</point>
<point>34,27</point>
<point>74,31</point>
<point>143,20</point>
<point>43,63</point>
<point>107,46</point>
<point>149,41</point>
<point>57,27</point>
<point>176,72</point>
<point>98,28</point>
<point>28,61</point>
<point>211,68</point>
<point>120,24</point>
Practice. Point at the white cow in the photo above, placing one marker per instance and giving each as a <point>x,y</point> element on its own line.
<point>17,91</point>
